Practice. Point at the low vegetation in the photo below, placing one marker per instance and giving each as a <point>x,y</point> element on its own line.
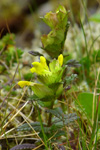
<point>49,99</point>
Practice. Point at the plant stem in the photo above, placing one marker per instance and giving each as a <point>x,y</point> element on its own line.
<point>49,120</point>
<point>44,135</point>
<point>50,115</point>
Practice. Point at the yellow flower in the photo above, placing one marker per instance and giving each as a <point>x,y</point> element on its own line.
<point>38,68</point>
<point>41,67</point>
<point>24,83</point>
<point>39,90</point>
<point>60,59</point>
<point>49,76</point>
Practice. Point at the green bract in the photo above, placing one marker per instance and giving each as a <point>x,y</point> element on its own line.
<point>53,42</point>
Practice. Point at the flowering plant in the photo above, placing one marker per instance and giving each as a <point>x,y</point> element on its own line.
<point>50,78</point>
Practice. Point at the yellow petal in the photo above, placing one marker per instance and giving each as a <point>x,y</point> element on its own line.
<point>33,70</point>
<point>60,59</point>
<point>42,59</point>
<point>36,64</point>
<point>43,62</point>
<point>24,83</point>
<point>38,68</point>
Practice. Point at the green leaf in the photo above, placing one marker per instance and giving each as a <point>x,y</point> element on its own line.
<point>95,17</point>
<point>34,53</point>
<point>65,120</point>
<point>23,146</point>
<point>50,19</point>
<point>35,125</point>
<point>45,102</point>
<point>26,127</point>
<point>57,124</point>
<point>56,112</point>
<point>85,103</point>
<point>61,119</point>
